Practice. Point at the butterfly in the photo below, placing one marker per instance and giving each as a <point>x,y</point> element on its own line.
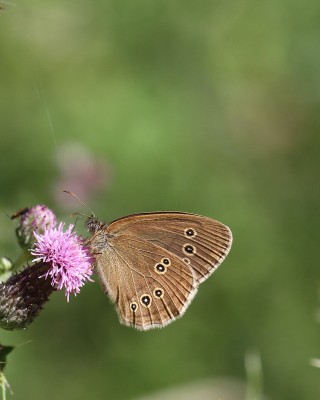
<point>151,264</point>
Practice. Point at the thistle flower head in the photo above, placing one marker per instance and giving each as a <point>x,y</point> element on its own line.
<point>23,296</point>
<point>69,258</point>
<point>32,219</point>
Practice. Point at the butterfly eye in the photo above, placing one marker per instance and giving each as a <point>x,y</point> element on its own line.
<point>145,300</point>
<point>160,268</point>
<point>190,232</point>
<point>166,261</point>
<point>134,306</point>
<point>158,293</point>
<point>189,249</point>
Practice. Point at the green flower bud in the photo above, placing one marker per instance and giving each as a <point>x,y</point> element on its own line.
<point>5,268</point>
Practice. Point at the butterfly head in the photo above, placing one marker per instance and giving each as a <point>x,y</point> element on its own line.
<point>93,225</point>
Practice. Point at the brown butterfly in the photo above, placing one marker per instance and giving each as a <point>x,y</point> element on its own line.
<point>151,264</point>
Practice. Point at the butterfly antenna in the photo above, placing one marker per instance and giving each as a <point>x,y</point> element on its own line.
<point>80,216</point>
<point>78,213</point>
<point>80,201</point>
<point>77,219</point>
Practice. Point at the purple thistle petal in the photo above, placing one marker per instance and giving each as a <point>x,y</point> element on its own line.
<point>69,258</point>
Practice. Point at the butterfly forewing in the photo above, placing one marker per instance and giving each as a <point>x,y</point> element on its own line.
<point>151,264</point>
<point>209,239</point>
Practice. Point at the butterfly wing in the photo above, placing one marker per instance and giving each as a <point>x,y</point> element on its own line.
<point>210,240</point>
<point>153,263</point>
<point>147,293</point>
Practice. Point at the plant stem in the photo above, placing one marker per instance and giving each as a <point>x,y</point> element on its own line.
<point>254,376</point>
<point>3,386</point>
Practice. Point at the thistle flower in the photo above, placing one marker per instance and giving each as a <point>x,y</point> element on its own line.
<point>22,297</point>
<point>32,219</point>
<point>69,259</point>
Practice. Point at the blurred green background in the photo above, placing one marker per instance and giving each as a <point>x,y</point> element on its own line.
<point>209,107</point>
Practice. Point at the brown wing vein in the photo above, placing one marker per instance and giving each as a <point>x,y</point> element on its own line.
<point>172,282</point>
<point>196,269</point>
<point>150,292</point>
<point>142,319</point>
<point>146,251</point>
<point>216,242</point>
<point>196,243</point>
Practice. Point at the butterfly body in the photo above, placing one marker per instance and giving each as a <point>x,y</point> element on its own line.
<point>151,264</point>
